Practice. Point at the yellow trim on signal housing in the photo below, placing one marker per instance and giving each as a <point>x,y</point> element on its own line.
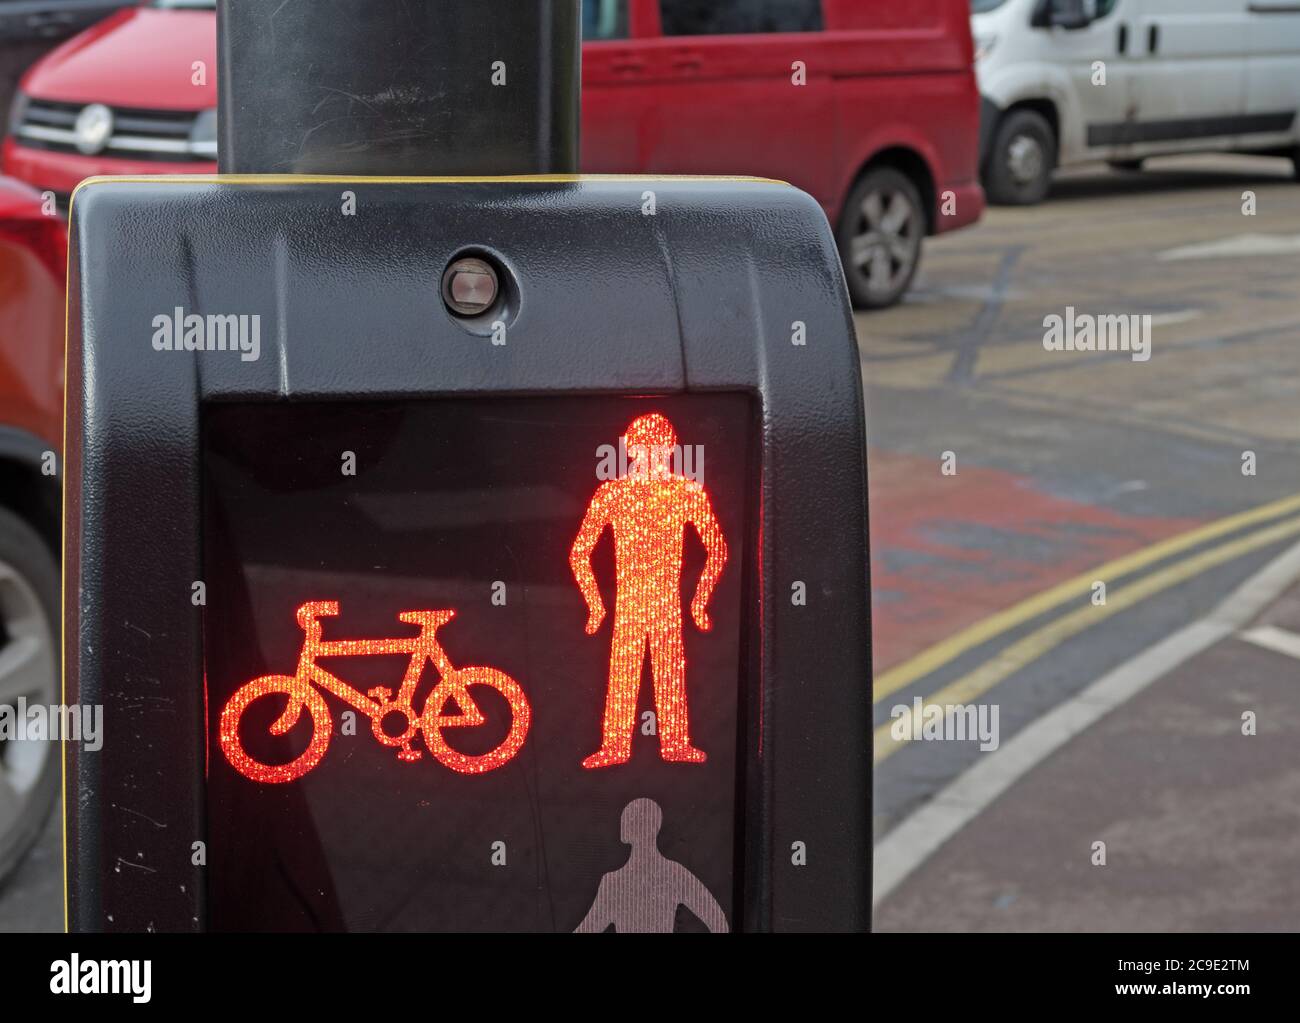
<point>337,179</point>
<point>63,566</point>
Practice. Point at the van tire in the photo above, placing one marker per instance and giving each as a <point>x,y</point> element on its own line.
<point>29,594</point>
<point>900,227</point>
<point>1021,160</point>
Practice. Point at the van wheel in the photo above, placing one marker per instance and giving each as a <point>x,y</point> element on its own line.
<point>880,236</point>
<point>29,669</point>
<point>1020,165</point>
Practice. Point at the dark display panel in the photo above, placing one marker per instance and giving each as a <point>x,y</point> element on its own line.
<point>473,777</point>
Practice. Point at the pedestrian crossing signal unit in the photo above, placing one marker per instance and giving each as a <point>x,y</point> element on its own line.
<point>495,631</point>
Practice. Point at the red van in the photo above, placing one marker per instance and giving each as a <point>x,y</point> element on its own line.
<point>33,263</point>
<point>870,106</point>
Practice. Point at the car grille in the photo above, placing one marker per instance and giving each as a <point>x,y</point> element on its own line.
<point>162,135</point>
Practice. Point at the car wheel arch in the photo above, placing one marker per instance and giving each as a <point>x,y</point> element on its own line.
<point>1045,108</point>
<point>25,489</point>
<point>910,163</point>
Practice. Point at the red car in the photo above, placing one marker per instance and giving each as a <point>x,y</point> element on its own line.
<point>870,107</point>
<point>135,94</point>
<point>33,262</point>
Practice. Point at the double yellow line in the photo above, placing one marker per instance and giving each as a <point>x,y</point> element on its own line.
<point>1024,651</point>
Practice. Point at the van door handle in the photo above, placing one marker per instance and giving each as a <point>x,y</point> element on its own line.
<point>628,66</point>
<point>688,62</point>
<point>1153,38</point>
<point>1123,40</point>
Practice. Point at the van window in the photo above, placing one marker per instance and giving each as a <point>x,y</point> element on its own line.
<point>739,17</point>
<point>604,19</point>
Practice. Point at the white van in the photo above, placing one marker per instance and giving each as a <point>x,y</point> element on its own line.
<point>1066,81</point>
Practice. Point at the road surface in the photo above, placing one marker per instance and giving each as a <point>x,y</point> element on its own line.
<point>1074,469</point>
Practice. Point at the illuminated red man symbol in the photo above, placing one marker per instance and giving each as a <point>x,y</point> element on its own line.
<point>648,509</point>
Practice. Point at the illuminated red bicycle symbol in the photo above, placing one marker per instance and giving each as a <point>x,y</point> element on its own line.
<point>302,690</point>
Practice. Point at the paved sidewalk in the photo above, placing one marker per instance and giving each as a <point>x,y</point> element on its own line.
<point>1201,823</point>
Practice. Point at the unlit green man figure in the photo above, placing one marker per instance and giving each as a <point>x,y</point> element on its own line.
<point>642,896</point>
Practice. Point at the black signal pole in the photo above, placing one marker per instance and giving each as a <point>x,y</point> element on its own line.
<point>399,87</point>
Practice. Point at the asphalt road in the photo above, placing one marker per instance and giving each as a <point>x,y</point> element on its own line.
<point>1074,468</point>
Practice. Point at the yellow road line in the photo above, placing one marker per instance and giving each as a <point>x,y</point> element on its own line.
<point>1040,641</point>
<point>954,646</point>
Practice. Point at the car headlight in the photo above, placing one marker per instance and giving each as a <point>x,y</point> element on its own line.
<point>984,46</point>
<point>17,112</point>
<point>203,136</point>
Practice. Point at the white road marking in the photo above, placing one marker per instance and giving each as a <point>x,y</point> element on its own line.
<point>914,840</point>
<point>1270,637</point>
<point>1240,245</point>
<point>1181,316</point>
